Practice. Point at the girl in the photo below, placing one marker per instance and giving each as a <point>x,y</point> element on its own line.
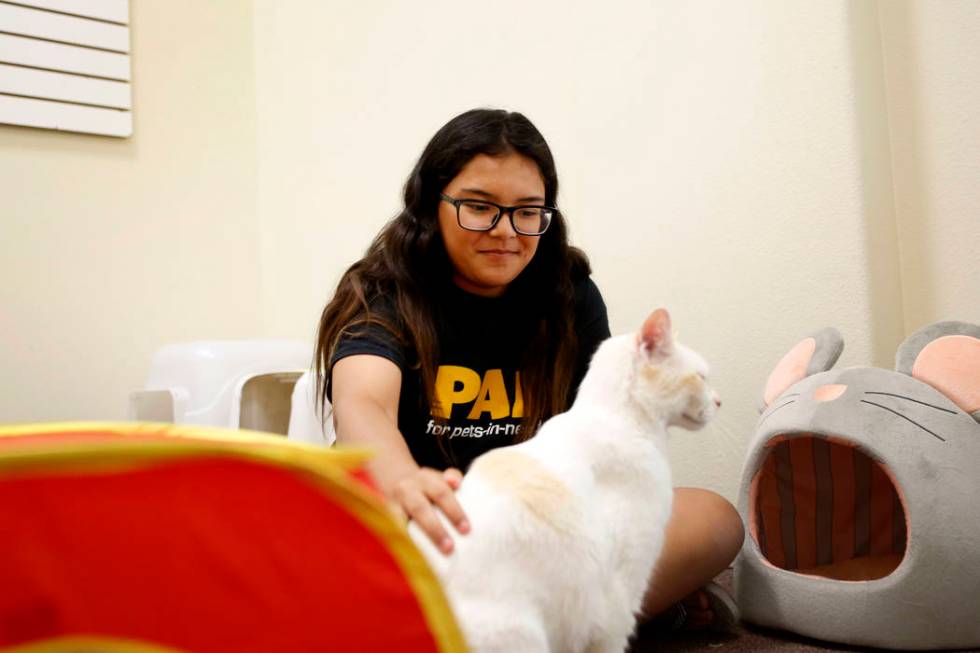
<point>468,322</point>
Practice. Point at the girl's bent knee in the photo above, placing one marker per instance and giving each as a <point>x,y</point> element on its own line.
<point>720,522</point>
<point>727,529</point>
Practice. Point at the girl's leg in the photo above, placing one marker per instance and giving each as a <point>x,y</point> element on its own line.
<point>703,537</point>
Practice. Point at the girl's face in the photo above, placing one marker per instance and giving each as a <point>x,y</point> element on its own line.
<point>485,262</point>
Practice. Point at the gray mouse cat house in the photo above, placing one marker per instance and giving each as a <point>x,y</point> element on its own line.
<point>861,495</point>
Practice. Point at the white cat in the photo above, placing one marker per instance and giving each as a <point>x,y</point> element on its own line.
<point>567,526</point>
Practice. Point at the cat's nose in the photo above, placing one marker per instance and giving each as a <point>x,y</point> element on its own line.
<point>717,402</point>
<point>829,392</point>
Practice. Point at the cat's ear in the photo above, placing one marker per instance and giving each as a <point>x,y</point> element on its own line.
<point>946,355</point>
<point>655,336</point>
<point>812,355</point>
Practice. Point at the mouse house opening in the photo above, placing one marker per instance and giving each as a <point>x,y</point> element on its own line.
<point>821,506</point>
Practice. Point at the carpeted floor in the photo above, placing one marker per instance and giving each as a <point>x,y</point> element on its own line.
<point>746,638</point>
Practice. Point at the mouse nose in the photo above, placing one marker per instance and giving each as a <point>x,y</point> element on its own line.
<point>828,392</point>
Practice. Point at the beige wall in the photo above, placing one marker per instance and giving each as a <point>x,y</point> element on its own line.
<point>932,57</point>
<point>762,168</point>
<point>112,247</point>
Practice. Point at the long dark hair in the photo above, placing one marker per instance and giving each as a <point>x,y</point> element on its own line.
<point>407,260</point>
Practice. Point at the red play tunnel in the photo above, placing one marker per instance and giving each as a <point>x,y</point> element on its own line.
<point>137,537</point>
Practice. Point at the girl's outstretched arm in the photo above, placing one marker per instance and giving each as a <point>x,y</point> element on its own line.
<point>365,392</point>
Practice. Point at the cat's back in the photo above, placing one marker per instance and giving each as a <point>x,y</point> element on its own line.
<point>541,479</point>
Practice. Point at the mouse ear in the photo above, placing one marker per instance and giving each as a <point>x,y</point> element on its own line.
<point>812,355</point>
<point>946,355</point>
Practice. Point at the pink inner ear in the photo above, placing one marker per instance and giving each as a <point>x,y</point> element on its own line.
<point>951,364</point>
<point>655,333</point>
<point>790,369</point>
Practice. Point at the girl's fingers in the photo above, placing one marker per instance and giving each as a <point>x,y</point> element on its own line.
<point>454,477</point>
<point>441,493</point>
<point>420,511</point>
<point>423,495</point>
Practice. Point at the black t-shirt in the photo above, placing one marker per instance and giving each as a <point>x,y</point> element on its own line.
<point>477,393</point>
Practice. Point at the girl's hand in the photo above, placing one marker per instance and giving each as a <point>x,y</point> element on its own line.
<point>419,494</point>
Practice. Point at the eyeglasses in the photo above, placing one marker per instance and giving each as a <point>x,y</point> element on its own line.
<point>480,215</point>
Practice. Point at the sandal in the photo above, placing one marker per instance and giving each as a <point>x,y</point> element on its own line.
<point>722,606</point>
<point>711,597</point>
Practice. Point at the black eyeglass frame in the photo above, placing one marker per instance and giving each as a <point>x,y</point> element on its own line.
<point>509,210</point>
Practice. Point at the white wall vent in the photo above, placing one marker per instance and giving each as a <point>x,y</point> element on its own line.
<point>64,64</point>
